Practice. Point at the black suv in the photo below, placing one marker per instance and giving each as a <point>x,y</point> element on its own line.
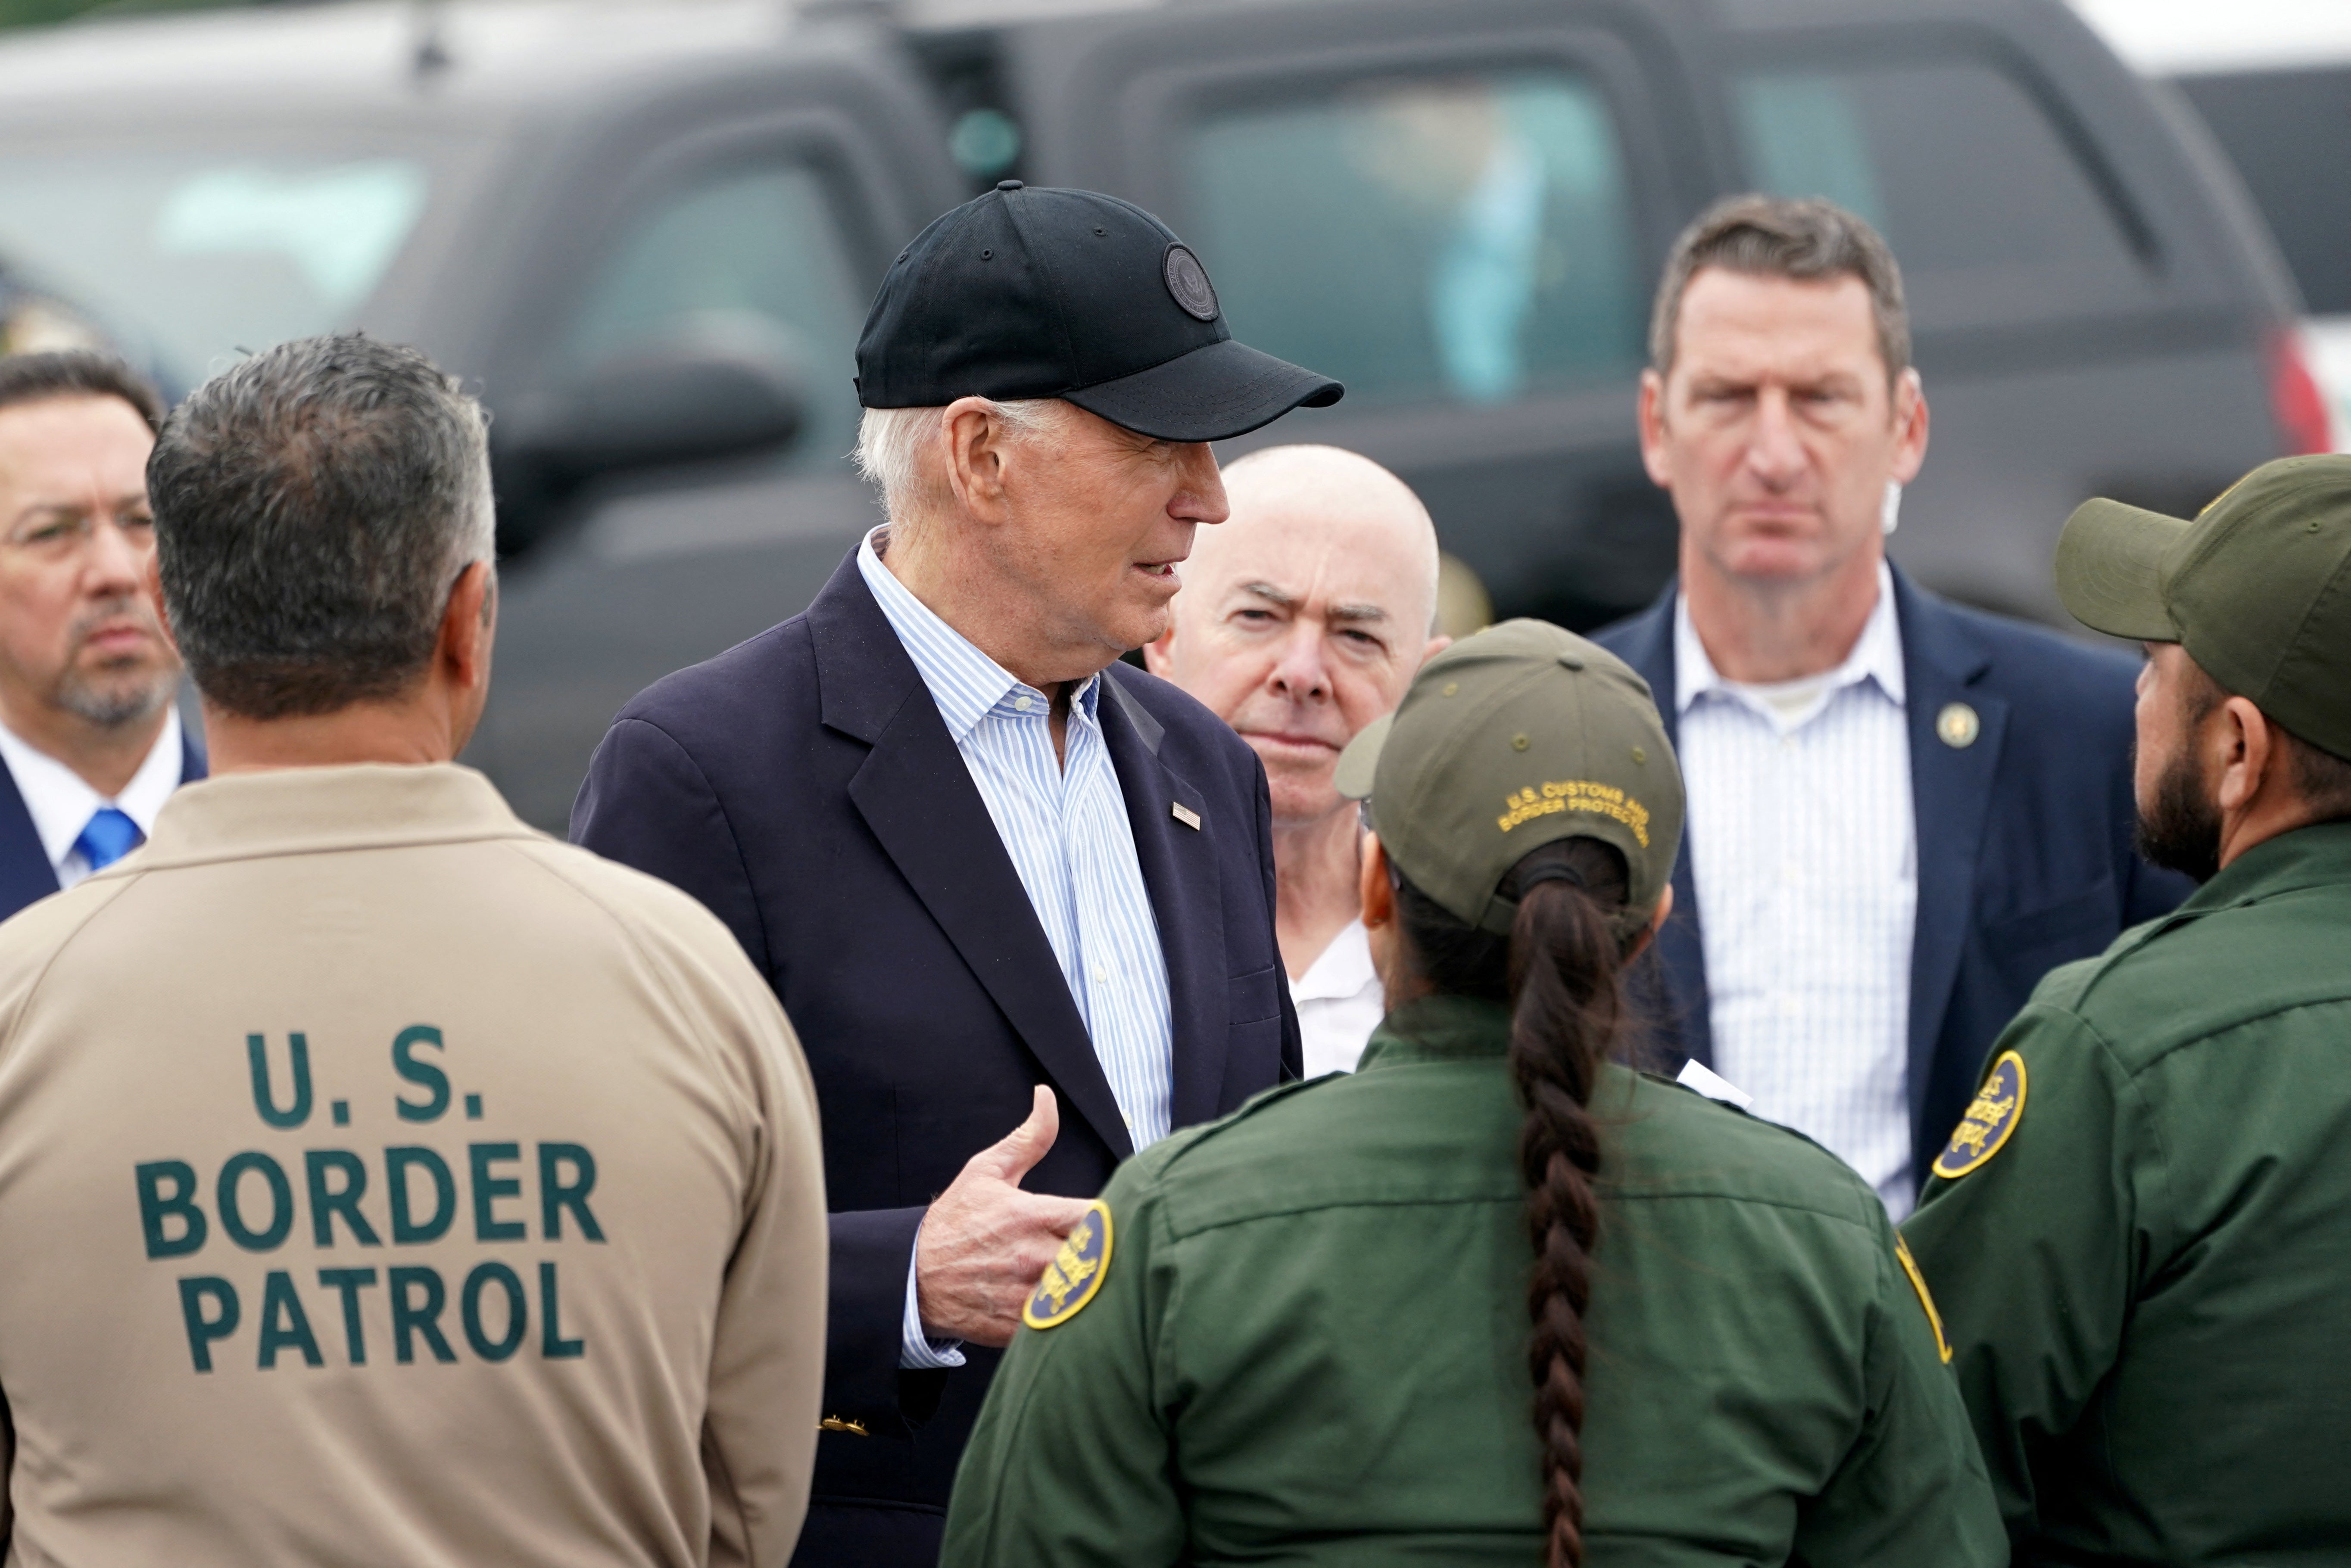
<point>647,230</point>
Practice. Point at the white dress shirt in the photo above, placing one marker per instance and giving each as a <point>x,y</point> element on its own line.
<point>1804,852</point>
<point>1063,821</point>
<point>61,803</point>
<point>1340,1001</point>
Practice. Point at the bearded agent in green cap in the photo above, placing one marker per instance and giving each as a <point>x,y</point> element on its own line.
<point>1316,1331</point>
<point>2140,1233</point>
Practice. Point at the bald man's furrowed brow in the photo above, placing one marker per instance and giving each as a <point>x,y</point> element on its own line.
<point>1286,600</point>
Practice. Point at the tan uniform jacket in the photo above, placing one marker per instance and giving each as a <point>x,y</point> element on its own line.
<point>384,1182</point>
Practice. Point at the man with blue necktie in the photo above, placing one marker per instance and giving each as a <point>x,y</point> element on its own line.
<point>88,735</point>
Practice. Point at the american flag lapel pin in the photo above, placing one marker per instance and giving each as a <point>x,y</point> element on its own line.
<point>1186,816</point>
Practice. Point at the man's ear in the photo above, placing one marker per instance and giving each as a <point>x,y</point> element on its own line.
<point>469,626</point>
<point>151,581</point>
<point>1653,429</point>
<point>975,445</point>
<point>2250,758</point>
<point>1910,427</point>
<point>1158,654</point>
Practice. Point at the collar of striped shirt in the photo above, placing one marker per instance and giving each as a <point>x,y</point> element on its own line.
<point>1877,656</point>
<point>1064,825</point>
<point>965,683</point>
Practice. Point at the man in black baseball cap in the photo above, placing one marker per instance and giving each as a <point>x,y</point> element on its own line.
<point>1002,882</point>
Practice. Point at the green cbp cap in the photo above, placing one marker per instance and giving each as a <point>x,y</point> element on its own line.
<point>2257,589</point>
<point>1506,742</point>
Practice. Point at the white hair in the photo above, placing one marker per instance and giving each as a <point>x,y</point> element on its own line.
<point>892,445</point>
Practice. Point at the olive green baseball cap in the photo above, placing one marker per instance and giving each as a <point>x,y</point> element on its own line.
<point>1507,741</point>
<point>2257,589</point>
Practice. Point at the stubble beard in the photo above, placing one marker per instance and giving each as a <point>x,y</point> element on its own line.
<point>118,694</point>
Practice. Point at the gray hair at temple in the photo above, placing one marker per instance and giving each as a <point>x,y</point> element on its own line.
<point>314,506</point>
<point>897,449</point>
<point>1803,238</point>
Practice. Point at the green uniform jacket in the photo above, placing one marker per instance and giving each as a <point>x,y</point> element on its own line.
<point>1308,1347</point>
<point>2148,1278</point>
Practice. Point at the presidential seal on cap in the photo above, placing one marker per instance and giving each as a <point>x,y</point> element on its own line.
<point>1509,740</point>
<point>2257,589</point>
<point>1029,292</point>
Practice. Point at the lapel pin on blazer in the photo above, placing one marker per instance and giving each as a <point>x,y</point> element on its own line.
<point>1186,816</point>
<point>1958,726</point>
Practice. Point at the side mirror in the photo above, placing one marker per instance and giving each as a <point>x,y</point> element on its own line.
<point>727,390</point>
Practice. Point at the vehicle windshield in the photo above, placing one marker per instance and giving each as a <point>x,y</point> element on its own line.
<point>186,258</point>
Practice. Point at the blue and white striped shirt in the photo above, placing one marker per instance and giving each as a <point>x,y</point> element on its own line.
<point>1805,858</point>
<point>1065,827</point>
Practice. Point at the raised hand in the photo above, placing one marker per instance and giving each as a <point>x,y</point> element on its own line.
<point>985,1241</point>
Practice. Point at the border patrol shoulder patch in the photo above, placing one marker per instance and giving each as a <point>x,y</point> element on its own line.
<point>1076,1272</point>
<point>1991,1116</point>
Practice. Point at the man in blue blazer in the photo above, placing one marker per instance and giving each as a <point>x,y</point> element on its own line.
<point>1902,813</point>
<point>88,736</point>
<point>998,879</point>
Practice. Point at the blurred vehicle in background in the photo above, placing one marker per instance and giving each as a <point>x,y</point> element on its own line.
<point>2270,79</point>
<point>646,230</point>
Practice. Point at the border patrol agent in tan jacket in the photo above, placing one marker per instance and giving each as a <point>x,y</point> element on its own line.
<point>381,1180</point>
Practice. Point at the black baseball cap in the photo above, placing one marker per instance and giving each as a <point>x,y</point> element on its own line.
<point>1510,739</point>
<point>1030,291</point>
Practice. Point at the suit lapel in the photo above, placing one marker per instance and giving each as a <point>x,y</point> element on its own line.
<point>1179,869</point>
<point>26,873</point>
<point>1675,983</point>
<point>917,796</point>
<point>1951,789</point>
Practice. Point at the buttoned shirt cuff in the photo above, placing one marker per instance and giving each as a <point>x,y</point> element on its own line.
<point>918,1352</point>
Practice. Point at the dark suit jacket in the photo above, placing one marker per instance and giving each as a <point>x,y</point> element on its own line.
<point>2024,837</point>
<point>804,787</point>
<point>26,873</point>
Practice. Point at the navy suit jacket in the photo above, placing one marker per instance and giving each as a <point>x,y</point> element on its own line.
<point>805,788</point>
<point>2024,837</point>
<point>26,873</point>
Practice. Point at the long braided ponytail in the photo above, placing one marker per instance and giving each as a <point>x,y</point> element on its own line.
<point>1561,972</point>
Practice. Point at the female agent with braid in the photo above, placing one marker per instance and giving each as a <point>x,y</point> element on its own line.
<point>1496,1298</point>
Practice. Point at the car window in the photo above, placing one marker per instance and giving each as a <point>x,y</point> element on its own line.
<point>2289,134</point>
<point>188,257</point>
<point>1990,211</point>
<point>1463,238</point>
<point>754,248</point>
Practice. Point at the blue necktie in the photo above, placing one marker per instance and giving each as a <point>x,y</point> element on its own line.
<point>111,836</point>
